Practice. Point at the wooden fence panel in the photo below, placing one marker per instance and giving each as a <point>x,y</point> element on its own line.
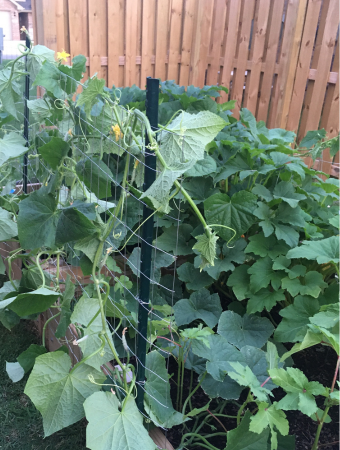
<point>274,56</point>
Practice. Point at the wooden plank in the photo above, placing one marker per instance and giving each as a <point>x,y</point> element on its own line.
<point>130,73</point>
<point>303,71</point>
<point>97,14</point>
<point>148,33</point>
<point>220,11</point>
<point>48,28</point>
<point>115,34</point>
<point>162,25</point>
<point>79,39</point>
<point>188,31</point>
<point>175,39</point>
<point>293,19</point>
<point>201,42</point>
<point>270,59</point>
<point>259,35</point>
<point>324,64</point>
<point>63,38</point>
<point>242,57</point>
<point>36,24</point>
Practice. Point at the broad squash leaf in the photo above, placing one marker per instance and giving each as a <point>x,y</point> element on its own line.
<point>12,145</point>
<point>241,438</point>
<point>323,251</point>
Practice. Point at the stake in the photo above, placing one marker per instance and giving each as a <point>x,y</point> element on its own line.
<point>152,95</point>
<point>26,117</point>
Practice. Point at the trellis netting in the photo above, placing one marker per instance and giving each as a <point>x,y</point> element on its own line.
<point>91,253</point>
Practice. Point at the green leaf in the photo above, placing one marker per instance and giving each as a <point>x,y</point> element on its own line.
<point>157,397</point>
<point>159,260</point>
<point>200,305</point>
<point>203,167</point>
<point>176,239</point>
<point>89,246</point>
<point>219,354</point>
<point>50,78</point>
<point>8,228</point>
<point>34,63</point>
<point>89,95</point>
<point>287,234</point>
<point>269,416</point>
<point>285,191</point>
<point>313,284</point>
<point>51,385</point>
<point>328,317</point>
<point>264,299</point>
<point>323,251</point>
<point>15,371</point>
<point>31,302</point>
<point>300,391</point>
<point>244,376</point>
<point>239,281</point>
<point>234,165</point>
<point>74,73</point>
<point>241,438</point>
<point>27,358</point>
<point>262,274</point>
<point>83,313</point>
<point>54,151</point>
<point>65,317</point>
<point>272,356</point>
<point>266,214</point>
<point>293,326</point>
<point>207,248</point>
<point>96,176</point>
<point>37,220</point>
<point>312,137</point>
<point>188,136</point>
<point>9,92</point>
<point>227,389</point>
<point>12,145</point>
<point>73,225</point>
<point>263,192</point>
<point>246,330</point>
<point>113,428</point>
<point>235,212</point>
<point>193,278</point>
<point>309,340</point>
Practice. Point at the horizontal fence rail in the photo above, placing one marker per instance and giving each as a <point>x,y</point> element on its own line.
<point>278,58</point>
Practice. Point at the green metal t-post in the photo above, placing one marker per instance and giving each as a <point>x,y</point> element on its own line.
<point>152,96</point>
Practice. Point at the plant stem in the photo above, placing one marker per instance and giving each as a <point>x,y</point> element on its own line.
<point>198,436</point>
<point>192,393</point>
<point>45,325</point>
<point>180,361</point>
<point>240,411</point>
<point>182,382</point>
<point>318,431</point>
<point>190,387</point>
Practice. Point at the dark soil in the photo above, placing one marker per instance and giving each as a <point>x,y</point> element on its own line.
<point>318,364</point>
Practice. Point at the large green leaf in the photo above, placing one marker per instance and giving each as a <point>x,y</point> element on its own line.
<point>235,212</point>
<point>114,428</point>
<point>265,246</point>
<point>285,191</point>
<point>193,278</point>
<point>323,251</point>
<point>37,220</point>
<point>40,108</point>
<point>54,151</point>
<point>27,358</point>
<point>50,78</point>
<point>244,376</point>
<point>262,274</point>
<point>74,73</point>
<point>328,317</point>
<point>300,391</point>
<point>312,285</point>
<point>83,313</point>
<point>293,326</point>
<point>31,302</point>
<point>74,225</point>
<point>241,438</point>
<point>202,167</point>
<point>246,330</point>
<point>89,95</point>
<point>41,54</point>
<point>201,305</point>
<point>157,396</point>
<point>9,92</point>
<point>96,176</point>
<point>187,136</point>
<point>239,281</point>
<point>159,259</point>
<point>176,239</point>
<point>58,393</point>
<point>12,145</point>
<point>264,299</point>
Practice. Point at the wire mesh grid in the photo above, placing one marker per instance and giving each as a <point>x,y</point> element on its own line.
<point>101,168</point>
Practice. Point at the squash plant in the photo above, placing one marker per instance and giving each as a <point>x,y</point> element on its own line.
<point>257,241</point>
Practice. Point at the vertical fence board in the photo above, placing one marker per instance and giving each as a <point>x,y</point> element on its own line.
<point>130,75</point>
<point>201,42</point>
<point>115,34</point>
<point>97,15</point>
<point>270,59</point>
<point>303,65</point>
<point>162,39</point>
<point>259,34</point>
<point>175,39</point>
<point>220,10</point>
<point>242,57</point>
<point>188,29</point>
<point>63,40</point>
<point>148,33</point>
<point>233,18</point>
<point>79,39</point>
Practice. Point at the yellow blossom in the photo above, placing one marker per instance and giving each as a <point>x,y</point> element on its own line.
<point>63,55</point>
<point>136,164</point>
<point>117,132</point>
<point>23,29</point>
<point>70,132</point>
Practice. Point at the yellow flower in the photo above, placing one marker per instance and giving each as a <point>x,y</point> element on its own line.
<point>117,132</point>
<point>136,164</point>
<point>63,55</point>
<point>23,29</point>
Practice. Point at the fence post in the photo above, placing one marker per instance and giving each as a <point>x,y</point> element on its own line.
<point>152,95</point>
<point>26,117</point>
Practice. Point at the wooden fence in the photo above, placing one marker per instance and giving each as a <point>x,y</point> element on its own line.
<point>279,58</point>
